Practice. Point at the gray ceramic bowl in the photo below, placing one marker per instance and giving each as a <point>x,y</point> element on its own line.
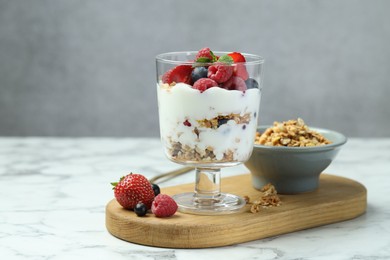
<point>293,169</point>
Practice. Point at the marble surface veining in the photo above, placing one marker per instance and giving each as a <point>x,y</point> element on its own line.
<point>53,193</point>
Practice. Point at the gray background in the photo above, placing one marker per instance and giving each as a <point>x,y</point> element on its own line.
<point>86,68</point>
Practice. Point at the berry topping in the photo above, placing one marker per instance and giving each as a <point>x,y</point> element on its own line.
<point>237,57</point>
<point>251,83</point>
<point>209,70</point>
<point>198,73</point>
<point>181,73</point>
<point>186,123</point>
<point>204,83</point>
<point>163,206</point>
<point>240,71</point>
<point>140,209</point>
<point>156,189</point>
<point>131,189</point>
<point>220,73</point>
<point>235,83</point>
<point>205,55</point>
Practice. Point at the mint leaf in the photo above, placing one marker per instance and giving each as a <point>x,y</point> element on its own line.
<point>214,57</point>
<point>226,59</point>
<point>203,60</point>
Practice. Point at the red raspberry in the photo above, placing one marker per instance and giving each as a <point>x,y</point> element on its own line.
<point>220,72</point>
<point>240,71</point>
<point>163,206</point>
<point>235,83</point>
<point>181,73</point>
<point>204,83</point>
<point>205,53</point>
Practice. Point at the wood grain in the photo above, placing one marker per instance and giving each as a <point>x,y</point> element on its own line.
<point>337,199</point>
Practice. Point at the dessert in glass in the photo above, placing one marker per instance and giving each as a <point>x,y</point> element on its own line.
<point>208,111</point>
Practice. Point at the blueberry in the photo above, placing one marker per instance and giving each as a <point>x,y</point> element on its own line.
<point>222,121</point>
<point>156,189</point>
<point>198,73</point>
<point>140,209</point>
<point>251,83</point>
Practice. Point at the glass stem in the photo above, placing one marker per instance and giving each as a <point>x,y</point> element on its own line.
<point>207,186</point>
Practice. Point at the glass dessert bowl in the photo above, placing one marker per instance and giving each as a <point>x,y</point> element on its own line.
<point>208,112</point>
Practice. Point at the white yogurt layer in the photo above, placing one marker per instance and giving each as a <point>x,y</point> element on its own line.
<point>181,103</point>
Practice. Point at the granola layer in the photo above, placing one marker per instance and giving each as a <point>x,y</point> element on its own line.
<point>186,153</point>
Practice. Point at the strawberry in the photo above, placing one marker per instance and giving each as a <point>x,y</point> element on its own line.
<point>163,206</point>
<point>132,189</point>
<point>237,57</point>
<point>181,73</point>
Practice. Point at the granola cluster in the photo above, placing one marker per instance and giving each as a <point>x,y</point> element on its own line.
<point>293,133</point>
<point>223,119</point>
<point>268,198</point>
<point>186,153</point>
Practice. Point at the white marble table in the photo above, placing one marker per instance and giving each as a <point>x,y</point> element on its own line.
<point>53,193</point>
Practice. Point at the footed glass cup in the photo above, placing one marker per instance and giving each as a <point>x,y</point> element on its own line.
<point>208,128</point>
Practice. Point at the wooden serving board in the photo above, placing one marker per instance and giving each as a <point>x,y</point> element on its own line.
<point>336,199</point>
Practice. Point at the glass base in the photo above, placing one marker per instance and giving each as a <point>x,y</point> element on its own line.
<point>224,203</point>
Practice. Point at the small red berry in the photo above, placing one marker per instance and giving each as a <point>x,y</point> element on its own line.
<point>235,83</point>
<point>163,206</point>
<point>181,73</point>
<point>220,72</point>
<point>186,123</point>
<point>205,53</point>
<point>240,71</point>
<point>204,83</point>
